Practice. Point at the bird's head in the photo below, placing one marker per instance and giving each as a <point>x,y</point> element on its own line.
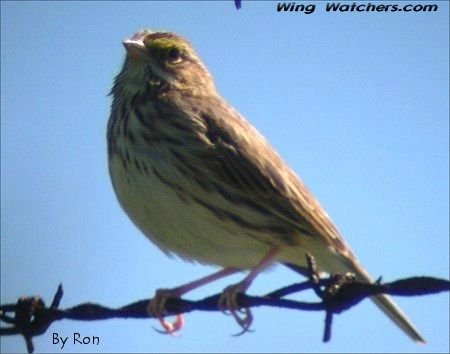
<point>159,61</point>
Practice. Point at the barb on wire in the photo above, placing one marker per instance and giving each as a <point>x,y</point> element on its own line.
<point>30,317</point>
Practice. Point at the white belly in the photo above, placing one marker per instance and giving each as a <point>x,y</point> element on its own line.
<point>179,225</point>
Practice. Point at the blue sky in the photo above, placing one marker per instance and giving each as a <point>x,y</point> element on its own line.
<point>356,103</point>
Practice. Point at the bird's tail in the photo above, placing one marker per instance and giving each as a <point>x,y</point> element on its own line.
<point>389,307</point>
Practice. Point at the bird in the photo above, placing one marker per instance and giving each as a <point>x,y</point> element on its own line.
<point>203,184</point>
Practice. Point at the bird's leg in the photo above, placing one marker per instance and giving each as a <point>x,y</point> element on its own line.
<point>157,306</point>
<point>228,299</point>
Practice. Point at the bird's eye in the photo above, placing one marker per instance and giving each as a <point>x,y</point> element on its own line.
<point>174,56</point>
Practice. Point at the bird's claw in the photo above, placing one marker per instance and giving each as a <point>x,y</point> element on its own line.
<point>157,307</point>
<point>244,321</point>
<point>171,328</point>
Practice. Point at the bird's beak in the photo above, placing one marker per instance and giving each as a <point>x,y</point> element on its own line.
<point>135,49</point>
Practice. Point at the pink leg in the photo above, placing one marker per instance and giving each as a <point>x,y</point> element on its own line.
<point>228,300</point>
<point>156,307</point>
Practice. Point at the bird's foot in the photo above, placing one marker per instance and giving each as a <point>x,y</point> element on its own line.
<point>228,304</point>
<point>157,307</point>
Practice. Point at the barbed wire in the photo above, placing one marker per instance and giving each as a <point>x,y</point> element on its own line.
<point>30,317</point>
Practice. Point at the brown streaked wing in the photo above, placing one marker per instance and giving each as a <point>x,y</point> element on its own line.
<point>254,171</point>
